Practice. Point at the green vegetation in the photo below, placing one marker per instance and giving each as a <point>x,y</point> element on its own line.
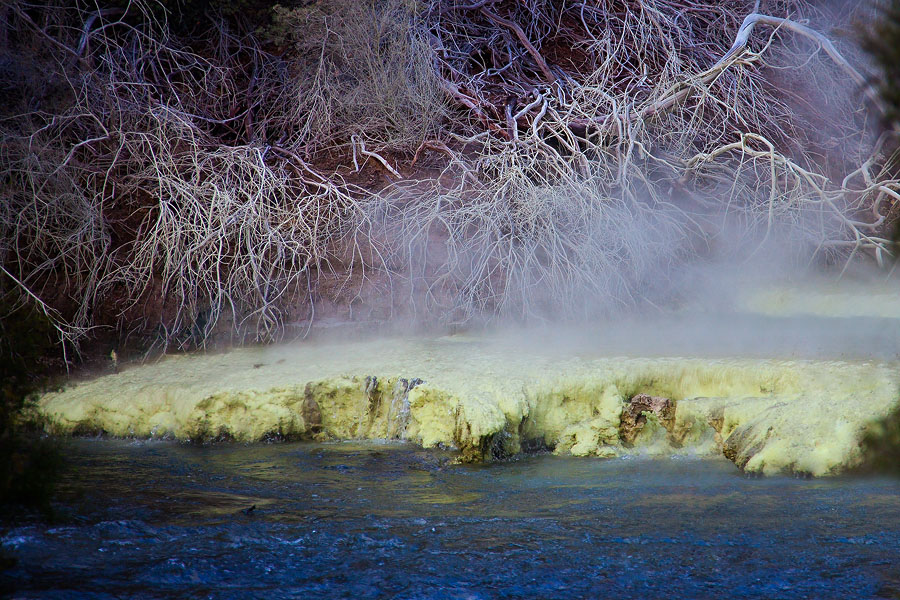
<point>881,445</point>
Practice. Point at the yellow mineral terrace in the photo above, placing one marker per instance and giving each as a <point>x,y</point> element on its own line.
<point>492,396</point>
<point>841,299</point>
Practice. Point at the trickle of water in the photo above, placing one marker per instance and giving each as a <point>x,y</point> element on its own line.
<point>398,413</point>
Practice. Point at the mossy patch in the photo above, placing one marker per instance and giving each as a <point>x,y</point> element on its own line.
<point>881,444</point>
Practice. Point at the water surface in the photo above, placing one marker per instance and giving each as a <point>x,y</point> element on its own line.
<point>162,520</point>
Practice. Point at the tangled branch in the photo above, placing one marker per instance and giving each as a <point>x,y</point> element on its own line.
<point>573,150</point>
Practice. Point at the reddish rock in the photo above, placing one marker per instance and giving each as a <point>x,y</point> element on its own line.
<point>634,415</point>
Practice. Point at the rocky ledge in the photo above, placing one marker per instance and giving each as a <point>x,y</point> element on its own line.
<point>493,397</point>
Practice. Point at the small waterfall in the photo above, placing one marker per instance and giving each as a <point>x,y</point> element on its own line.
<point>398,411</point>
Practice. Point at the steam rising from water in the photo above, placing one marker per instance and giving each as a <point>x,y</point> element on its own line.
<point>640,281</point>
<point>674,210</point>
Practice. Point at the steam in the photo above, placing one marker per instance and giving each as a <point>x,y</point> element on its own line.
<point>581,162</point>
<point>675,212</point>
<point>567,254</point>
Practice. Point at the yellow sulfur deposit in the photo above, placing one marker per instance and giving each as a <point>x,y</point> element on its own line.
<point>492,396</point>
<point>826,299</point>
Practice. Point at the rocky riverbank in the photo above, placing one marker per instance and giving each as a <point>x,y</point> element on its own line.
<point>491,397</point>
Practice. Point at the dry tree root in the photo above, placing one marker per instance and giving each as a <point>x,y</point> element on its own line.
<point>163,189</point>
<point>152,184</point>
<point>612,133</point>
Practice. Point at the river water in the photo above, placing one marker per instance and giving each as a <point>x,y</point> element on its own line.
<point>163,520</point>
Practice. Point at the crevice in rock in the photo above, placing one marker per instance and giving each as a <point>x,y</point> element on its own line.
<point>635,413</point>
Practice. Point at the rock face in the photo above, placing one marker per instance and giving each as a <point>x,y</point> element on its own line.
<point>635,413</point>
<point>493,397</point>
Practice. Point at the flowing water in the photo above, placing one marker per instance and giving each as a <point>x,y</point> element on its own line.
<point>162,520</point>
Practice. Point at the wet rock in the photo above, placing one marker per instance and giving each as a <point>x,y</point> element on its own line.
<point>634,415</point>
<point>744,443</point>
<point>716,420</point>
<point>371,384</point>
<point>881,444</point>
<point>487,402</point>
<point>311,413</point>
<point>399,411</point>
